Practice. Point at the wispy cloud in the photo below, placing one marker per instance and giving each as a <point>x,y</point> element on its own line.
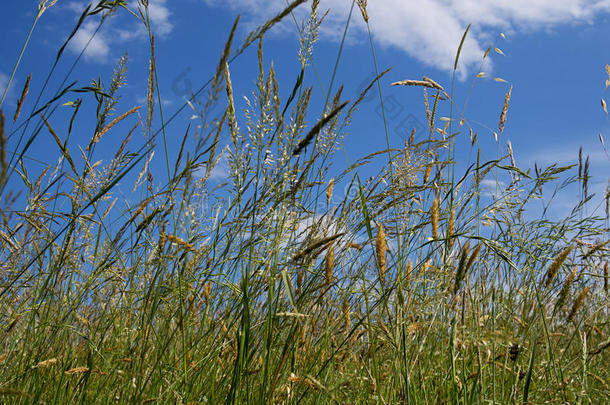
<point>160,17</point>
<point>565,154</point>
<point>11,90</point>
<point>430,30</point>
<point>96,46</point>
<point>493,188</point>
<point>3,81</point>
<point>100,44</point>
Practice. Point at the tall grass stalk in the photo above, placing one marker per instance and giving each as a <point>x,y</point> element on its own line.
<point>272,286</point>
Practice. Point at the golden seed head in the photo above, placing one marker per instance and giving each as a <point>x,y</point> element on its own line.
<point>181,242</point>
<point>46,363</point>
<point>462,267</point>
<point>580,299</point>
<point>207,292</point>
<point>473,256</point>
<point>330,264</point>
<point>427,173</point>
<point>362,7</point>
<point>346,314</point>
<point>24,93</point>
<point>150,100</point>
<point>354,245</point>
<point>77,370</point>
<point>408,271</point>
<point>329,191</point>
<point>451,229</point>
<point>556,265</point>
<point>565,290</point>
<point>504,110</point>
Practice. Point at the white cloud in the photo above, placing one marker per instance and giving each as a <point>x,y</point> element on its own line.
<point>143,100</point>
<point>97,48</point>
<point>112,33</point>
<point>493,188</point>
<point>3,81</point>
<point>567,154</point>
<point>430,30</point>
<point>160,17</point>
<point>220,172</point>
<point>76,7</point>
<point>11,90</point>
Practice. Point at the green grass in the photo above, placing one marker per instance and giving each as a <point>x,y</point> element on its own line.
<point>285,290</point>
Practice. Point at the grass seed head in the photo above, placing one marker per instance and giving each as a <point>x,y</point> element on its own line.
<point>77,370</point>
<point>24,93</point>
<point>473,256</point>
<point>450,229</point>
<point>462,267</point>
<point>504,110</point>
<point>329,191</point>
<point>330,264</point>
<point>381,248</point>
<point>207,292</point>
<point>150,101</point>
<point>565,290</point>
<point>580,299</point>
<point>362,7</point>
<point>346,314</point>
<point>408,273</point>
<point>556,265</point>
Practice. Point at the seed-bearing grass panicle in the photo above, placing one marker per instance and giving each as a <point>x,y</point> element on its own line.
<point>181,242</point>
<point>434,214</point>
<point>450,229</point>
<point>504,110</point>
<point>24,93</point>
<point>565,290</point>
<point>353,245</point>
<point>427,173</point>
<point>96,138</point>
<point>231,119</point>
<point>408,273</point>
<point>427,105</point>
<point>381,248</point>
<point>462,267</point>
<point>330,264</point>
<point>207,292</point>
<point>317,128</point>
<point>346,314</point>
<point>422,83</point>
<point>556,265</point>
<point>362,7</point>
<point>473,256</point>
<point>150,100</point>
<point>578,302</point>
<point>329,191</point>
<point>513,162</point>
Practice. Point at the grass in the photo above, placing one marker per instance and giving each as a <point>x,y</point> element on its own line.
<point>409,288</point>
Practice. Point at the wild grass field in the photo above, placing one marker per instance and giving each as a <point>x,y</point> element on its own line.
<point>412,286</point>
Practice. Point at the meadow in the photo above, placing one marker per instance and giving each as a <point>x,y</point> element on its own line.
<point>298,283</point>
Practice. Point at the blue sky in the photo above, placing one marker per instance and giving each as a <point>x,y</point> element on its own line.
<point>555,53</point>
